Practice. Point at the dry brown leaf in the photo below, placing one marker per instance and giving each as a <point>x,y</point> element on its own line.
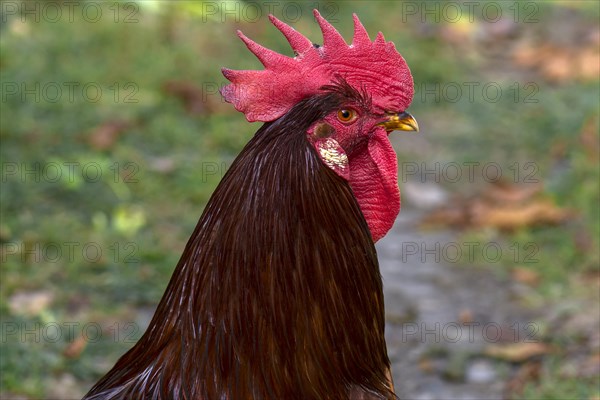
<point>588,64</point>
<point>426,365</point>
<point>526,55</point>
<point>454,216</point>
<point>503,193</point>
<point>557,65</point>
<point>105,136</point>
<point>511,218</point>
<point>500,205</point>
<point>591,278</point>
<point>465,316</point>
<point>475,212</point>
<point>517,352</point>
<point>529,371</point>
<point>526,276</point>
<point>30,303</point>
<point>74,349</point>
<point>590,139</point>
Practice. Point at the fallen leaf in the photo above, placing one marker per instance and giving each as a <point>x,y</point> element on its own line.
<point>511,218</point>
<point>559,62</point>
<point>504,209</point>
<point>528,372</point>
<point>465,316</point>
<point>526,276</point>
<point>105,136</point>
<point>517,352</point>
<point>503,193</point>
<point>456,215</point>
<point>558,66</point>
<point>426,365</point>
<point>526,55</point>
<point>30,303</point>
<point>587,64</point>
<point>74,349</point>
<point>590,139</point>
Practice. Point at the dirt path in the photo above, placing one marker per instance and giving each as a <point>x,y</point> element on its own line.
<point>441,316</point>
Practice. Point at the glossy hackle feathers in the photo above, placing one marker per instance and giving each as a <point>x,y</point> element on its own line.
<point>375,66</point>
<point>278,293</point>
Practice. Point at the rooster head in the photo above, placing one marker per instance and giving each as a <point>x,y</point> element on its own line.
<point>375,88</point>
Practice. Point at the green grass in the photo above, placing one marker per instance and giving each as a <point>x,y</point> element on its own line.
<point>554,386</point>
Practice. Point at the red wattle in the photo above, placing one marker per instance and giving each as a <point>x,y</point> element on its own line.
<point>374,180</point>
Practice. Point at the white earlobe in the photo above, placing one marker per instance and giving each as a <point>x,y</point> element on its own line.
<point>334,156</point>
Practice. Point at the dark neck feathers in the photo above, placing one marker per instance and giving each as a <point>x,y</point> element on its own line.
<point>277,294</point>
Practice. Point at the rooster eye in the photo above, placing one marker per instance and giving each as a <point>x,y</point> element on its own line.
<point>346,115</point>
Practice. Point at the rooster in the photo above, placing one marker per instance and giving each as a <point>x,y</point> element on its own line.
<point>278,293</point>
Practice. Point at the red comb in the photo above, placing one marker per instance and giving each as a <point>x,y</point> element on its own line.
<point>373,66</point>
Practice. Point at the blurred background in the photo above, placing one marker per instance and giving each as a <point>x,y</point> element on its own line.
<point>113,137</point>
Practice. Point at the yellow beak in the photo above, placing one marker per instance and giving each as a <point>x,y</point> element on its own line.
<point>401,122</point>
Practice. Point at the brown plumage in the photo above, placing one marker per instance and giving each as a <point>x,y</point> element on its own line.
<point>277,294</point>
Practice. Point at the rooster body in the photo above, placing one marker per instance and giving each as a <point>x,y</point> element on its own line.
<point>278,293</point>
